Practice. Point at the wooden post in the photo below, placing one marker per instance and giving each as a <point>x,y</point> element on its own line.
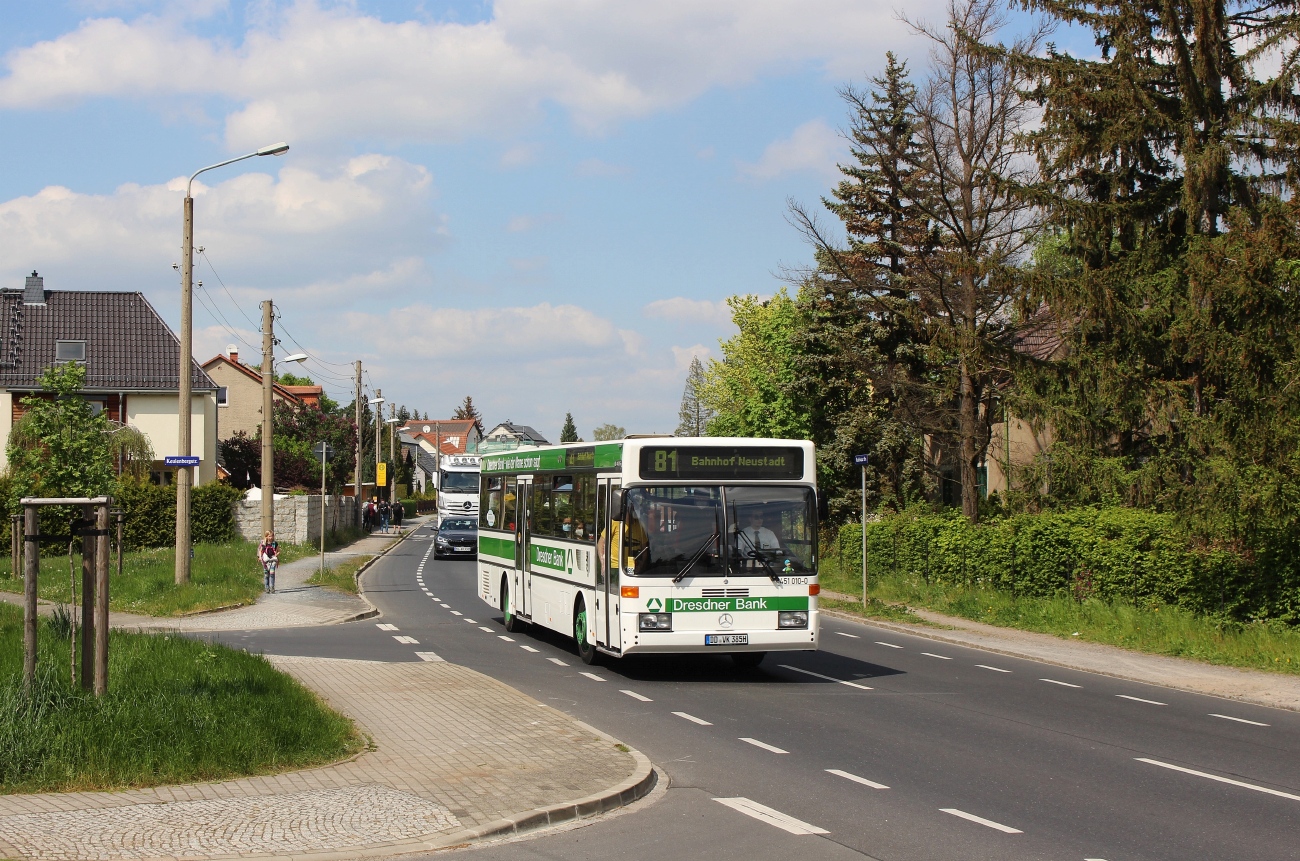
<point>101,598</point>
<point>31,567</point>
<point>16,545</point>
<point>87,604</point>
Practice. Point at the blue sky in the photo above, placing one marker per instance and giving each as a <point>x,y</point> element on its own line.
<point>541,203</point>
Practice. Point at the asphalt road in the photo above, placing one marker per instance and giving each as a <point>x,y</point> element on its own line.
<point>880,745</point>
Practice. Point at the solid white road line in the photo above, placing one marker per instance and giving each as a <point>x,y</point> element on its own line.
<point>1062,684</point>
<point>1006,829</point>
<point>557,661</point>
<point>692,718</point>
<point>766,814</point>
<point>1238,720</point>
<point>385,626</point>
<point>842,634</point>
<point>890,645</point>
<point>529,649</point>
<point>504,637</point>
<point>1140,700</point>
<point>634,695</point>
<point>486,628</point>
<point>592,676</point>
<point>994,669</point>
<point>827,678</point>
<point>856,779</point>
<point>756,743</point>
<point>410,641</point>
<point>1228,780</point>
<point>429,656</point>
<point>933,655</point>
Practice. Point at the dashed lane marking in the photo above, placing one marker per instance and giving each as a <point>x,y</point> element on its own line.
<point>592,676</point>
<point>410,641</point>
<point>827,678</point>
<point>429,656</point>
<point>487,629</point>
<point>1140,700</point>
<point>989,823</point>
<point>890,645</point>
<point>557,661</point>
<point>446,607</point>
<point>1238,720</point>
<point>529,649</point>
<point>471,621</point>
<point>634,695</point>
<point>756,743</point>
<point>763,813</point>
<point>385,626</point>
<point>1062,684</point>
<point>994,669</point>
<point>1216,777</point>
<point>842,634</point>
<point>853,777</point>
<point>933,655</point>
<point>457,613</point>
<point>504,637</point>
<point>690,717</point>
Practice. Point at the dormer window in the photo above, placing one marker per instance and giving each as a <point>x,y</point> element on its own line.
<point>69,351</point>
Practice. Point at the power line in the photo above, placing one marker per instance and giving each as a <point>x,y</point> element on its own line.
<point>204,254</point>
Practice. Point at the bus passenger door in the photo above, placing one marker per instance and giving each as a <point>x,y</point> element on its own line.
<point>522,599</point>
<point>611,553</point>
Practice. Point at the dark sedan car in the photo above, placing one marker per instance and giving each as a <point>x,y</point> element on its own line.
<point>457,538</point>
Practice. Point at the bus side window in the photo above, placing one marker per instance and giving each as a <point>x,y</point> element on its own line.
<point>510,504</point>
<point>584,508</point>
<point>541,521</point>
<point>489,503</point>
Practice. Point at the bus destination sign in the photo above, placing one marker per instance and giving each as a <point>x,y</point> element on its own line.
<point>719,463</point>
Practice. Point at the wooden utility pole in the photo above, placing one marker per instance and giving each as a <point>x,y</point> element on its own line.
<point>357,494</point>
<point>268,452</point>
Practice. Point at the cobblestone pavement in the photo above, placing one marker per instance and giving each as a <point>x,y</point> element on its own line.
<point>1253,686</point>
<point>454,751</point>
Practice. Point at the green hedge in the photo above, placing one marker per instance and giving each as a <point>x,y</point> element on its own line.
<point>1108,553</point>
<point>151,513</point>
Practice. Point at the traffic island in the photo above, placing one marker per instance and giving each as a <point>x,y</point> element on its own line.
<point>454,757</point>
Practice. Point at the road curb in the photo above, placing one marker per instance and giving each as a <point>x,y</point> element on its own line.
<point>361,592</point>
<point>937,634</point>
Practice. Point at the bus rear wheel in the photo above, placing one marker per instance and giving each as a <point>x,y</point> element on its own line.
<point>748,660</point>
<point>508,618</point>
<point>586,650</point>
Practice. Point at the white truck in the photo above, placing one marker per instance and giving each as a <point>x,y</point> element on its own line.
<point>458,485</point>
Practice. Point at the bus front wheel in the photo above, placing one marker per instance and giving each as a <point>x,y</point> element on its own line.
<point>508,618</point>
<point>586,650</point>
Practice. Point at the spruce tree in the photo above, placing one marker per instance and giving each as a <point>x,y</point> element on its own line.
<point>694,415</point>
<point>466,410</point>
<point>569,433</point>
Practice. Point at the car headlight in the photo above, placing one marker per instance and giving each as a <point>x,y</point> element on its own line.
<point>655,621</point>
<point>443,542</point>
<point>792,619</point>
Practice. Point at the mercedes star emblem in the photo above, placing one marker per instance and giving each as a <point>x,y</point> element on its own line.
<point>725,620</point>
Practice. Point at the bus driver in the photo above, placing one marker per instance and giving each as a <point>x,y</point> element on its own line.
<point>755,536</point>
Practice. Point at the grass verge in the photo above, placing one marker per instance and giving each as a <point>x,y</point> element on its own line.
<point>342,576</point>
<point>1155,629</point>
<point>177,710</point>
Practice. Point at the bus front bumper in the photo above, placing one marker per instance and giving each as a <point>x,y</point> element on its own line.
<point>762,640</point>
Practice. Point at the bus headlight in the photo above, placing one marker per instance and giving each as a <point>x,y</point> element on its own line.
<point>792,619</point>
<point>655,621</point>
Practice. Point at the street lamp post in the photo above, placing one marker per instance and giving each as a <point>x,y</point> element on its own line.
<point>392,434</point>
<point>184,478</point>
<point>378,399</point>
<point>268,416</point>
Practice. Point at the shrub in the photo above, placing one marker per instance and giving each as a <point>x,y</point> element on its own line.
<point>151,513</point>
<point>212,512</point>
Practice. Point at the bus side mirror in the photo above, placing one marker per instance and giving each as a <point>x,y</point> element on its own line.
<point>616,503</point>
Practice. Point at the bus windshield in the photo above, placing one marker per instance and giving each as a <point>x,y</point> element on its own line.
<point>460,482</point>
<point>742,531</point>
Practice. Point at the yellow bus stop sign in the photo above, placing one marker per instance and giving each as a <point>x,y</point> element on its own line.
<point>381,474</point>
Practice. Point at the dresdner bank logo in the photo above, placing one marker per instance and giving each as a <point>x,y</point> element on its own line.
<point>716,605</point>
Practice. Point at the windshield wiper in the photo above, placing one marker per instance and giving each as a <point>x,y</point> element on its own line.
<point>699,554</point>
<point>754,553</point>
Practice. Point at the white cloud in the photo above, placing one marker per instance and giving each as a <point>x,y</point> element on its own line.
<point>683,356</point>
<point>311,73</point>
<point>694,311</point>
<point>813,146</point>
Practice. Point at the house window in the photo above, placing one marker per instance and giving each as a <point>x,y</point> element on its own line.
<point>69,351</point>
<point>221,396</point>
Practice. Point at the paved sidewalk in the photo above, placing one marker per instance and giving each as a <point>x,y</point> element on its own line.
<point>458,756</point>
<point>1267,689</point>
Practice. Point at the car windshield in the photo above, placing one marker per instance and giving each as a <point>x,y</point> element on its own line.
<point>767,531</point>
<point>460,482</point>
<point>459,524</point>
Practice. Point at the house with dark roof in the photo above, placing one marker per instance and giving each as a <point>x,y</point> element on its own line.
<point>131,357</point>
<point>239,393</point>
<point>510,435</point>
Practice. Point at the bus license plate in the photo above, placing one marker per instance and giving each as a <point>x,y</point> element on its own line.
<point>726,639</point>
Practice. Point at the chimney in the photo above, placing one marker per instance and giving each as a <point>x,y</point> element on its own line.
<point>232,350</point>
<point>34,290</point>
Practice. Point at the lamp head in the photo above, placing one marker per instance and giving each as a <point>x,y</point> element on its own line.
<point>274,149</point>
<point>296,357</point>
<point>375,401</point>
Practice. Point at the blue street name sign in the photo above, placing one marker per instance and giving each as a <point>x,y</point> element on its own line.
<point>178,460</point>
<point>859,460</point>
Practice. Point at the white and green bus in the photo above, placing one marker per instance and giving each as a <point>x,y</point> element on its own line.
<point>665,544</point>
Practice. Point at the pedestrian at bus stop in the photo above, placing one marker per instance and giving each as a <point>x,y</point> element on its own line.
<point>384,513</point>
<point>398,513</point>
<point>268,553</point>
